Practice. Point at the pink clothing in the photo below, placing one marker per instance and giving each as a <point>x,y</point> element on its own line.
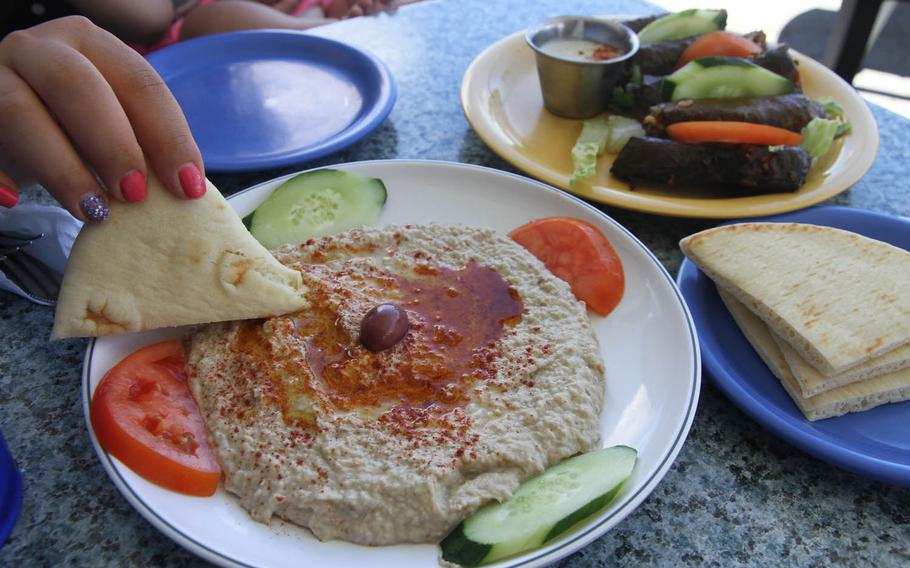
<point>172,35</point>
<point>307,4</point>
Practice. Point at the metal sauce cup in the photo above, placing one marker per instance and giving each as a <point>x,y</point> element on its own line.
<point>575,87</point>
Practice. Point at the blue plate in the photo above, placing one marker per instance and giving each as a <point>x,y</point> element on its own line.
<point>875,443</point>
<point>265,99</point>
<point>10,492</point>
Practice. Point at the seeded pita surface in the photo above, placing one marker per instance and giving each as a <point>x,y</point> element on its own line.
<point>168,262</point>
<point>838,298</point>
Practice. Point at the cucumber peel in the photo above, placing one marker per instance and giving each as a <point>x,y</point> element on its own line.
<point>542,509</point>
<point>721,78</point>
<point>683,24</point>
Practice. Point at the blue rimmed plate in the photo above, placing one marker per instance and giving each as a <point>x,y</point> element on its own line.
<point>648,343</point>
<point>265,99</point>
<point>10,492</point>
<point>875,443</point>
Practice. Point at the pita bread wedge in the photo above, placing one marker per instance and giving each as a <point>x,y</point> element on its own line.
<point>169,262</point>
<point>811,382</point>
<point>854,397</point>
<point>838,298</point>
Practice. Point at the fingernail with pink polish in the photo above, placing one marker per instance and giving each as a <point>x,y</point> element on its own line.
<point>133,187</point>
<point>8,197</point>
<point>94,207</point>
<point>191,181</point>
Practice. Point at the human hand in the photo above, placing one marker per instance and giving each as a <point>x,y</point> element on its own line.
<point>78,106</point>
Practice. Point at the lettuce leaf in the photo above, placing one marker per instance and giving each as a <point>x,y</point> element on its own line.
<point>818,136</point>
<point>599,135</point>
<point>595,133</point>
<point>832,107</point>
<point>835,111</point>
<point>624,97</point>
<point>621,129</point>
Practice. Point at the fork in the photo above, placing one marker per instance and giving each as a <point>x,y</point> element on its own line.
<point>10,242</point>
<point>39,282</point>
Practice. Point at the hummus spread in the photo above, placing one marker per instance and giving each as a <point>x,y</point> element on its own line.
<point>498,376</point>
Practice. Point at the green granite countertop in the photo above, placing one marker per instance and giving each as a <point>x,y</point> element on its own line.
<point>736,494</point>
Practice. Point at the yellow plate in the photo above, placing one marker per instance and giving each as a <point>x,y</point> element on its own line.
<point>501,98</point>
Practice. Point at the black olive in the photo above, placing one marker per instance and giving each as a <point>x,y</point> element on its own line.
<point>383,326</point>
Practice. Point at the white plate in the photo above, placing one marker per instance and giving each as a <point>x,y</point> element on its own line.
<point>649,346</point>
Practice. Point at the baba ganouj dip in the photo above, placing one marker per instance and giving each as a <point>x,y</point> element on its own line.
<point>493,375</point>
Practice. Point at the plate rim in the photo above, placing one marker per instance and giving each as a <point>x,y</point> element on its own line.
<point>846,457</point>
<point>11,492</point>
<point>385,96</point>
<point>721,208</point>
<point>541,557</point>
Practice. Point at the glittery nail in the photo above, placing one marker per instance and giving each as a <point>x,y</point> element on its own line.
<point>94,207</point>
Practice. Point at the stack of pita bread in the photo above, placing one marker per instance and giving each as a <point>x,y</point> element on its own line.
<point>827,310</point>
<point>169,262</point>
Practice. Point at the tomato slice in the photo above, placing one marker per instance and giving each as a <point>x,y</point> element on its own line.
<point>732,132</point>
<point>144,415</point>
<point>577,252</point>
<point>718,43</point>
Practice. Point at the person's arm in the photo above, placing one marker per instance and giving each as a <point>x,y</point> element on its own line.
<point>138,21</point>
<point>78,105</point>
<point>233,15</point>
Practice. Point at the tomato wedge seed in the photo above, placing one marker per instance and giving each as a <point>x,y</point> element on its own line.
<point>579,253</point>
<point>143,414</point>
<point>699,131</point>
<point>718,43</point>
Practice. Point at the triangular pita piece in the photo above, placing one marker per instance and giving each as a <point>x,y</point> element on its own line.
<point>836,297</point>
<point>811,382</point>
<point>167,262</point>
<point>758,335</point>
<point>854,397</point>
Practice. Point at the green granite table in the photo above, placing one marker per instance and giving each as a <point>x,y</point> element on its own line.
<point>736,495</point>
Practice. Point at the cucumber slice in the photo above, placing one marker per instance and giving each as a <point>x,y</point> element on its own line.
<point>723,78</point>
<point>315,204</point>
<point>683,24</point>
<point>543,508</point>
